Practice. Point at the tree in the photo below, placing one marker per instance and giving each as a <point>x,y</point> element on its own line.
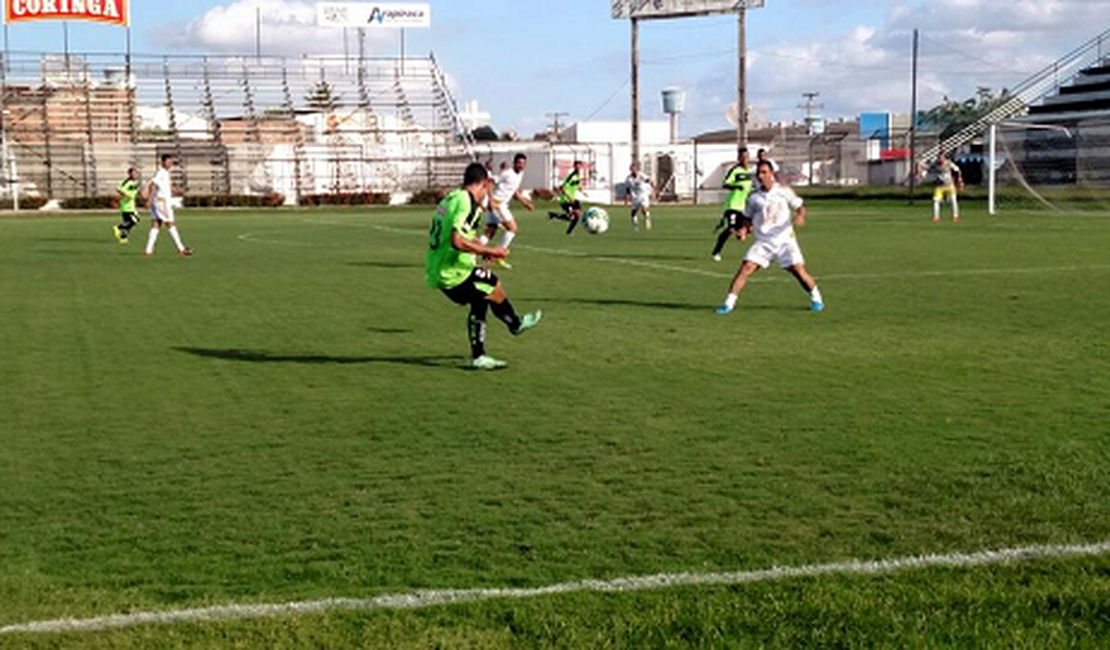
<point>322,97</point>
<point>950,116</point>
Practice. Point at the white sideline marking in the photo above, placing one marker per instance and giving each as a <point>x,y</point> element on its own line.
<point>435,597</point>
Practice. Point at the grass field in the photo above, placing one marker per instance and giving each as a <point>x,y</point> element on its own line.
<point>286,417</point>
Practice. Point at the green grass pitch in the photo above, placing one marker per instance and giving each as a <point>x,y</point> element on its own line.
<point>285,417</point>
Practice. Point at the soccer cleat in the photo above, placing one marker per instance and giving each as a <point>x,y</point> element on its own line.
<point>185,252</point>
<point>486,362</point>
<point>716,258</point>
<point>936,219</point>
<point>955,218</point>
<point>528,321</point>
<point>815,306</point>
<point>724,310</point>
<point>503,263</point>
<point>120,237</point>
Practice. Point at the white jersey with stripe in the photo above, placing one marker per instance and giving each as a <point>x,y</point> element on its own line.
<point>772,213</point>
<point>508,182</point>
<point>161,200</point>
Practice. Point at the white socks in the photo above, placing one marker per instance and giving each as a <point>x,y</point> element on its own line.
<point>815,295</point>
<point>936,210</point>
<point>483,240</point>
<point>151,238</point>
<point>955,207</point>
<point>176,238</point>
<point>730,300</point>
<point>507,238</point>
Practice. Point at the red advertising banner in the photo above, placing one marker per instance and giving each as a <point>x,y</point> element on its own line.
<point>113,12</point>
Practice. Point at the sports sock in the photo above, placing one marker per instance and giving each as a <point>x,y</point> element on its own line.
<point>722,239</point>
<point>507,238</point>
<point>176,238</point>
<point>955,207</point>
<point>936,209</point>
<point>730,300</point>
<point>573,223</point>
<point>151,238</point>
<point>506,314</point>
<point>476,328</point>
<point>815,294</point>
<point>483,240</point>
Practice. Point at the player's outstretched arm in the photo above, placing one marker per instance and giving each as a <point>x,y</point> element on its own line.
<point>800,217</point>
<point>524,201</point>
<point>474,246</point>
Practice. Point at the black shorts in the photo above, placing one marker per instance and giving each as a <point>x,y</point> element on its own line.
<point>129,217</point>
<point>567,206</point>
<point>478,286</point>
<point>735,219</point>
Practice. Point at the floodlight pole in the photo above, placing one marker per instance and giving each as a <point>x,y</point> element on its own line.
<point>741,82</point>
<point>635,89</point>
<point>913,124</point>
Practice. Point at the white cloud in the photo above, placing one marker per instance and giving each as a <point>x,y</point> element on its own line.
<point>288,28</point>
<point>965,44</point>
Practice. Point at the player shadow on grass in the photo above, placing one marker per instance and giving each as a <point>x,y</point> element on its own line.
<point>261,356</point>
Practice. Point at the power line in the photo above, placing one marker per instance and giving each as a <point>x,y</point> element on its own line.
<point>973,57</point>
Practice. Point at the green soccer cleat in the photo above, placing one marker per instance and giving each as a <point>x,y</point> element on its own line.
<point>528,321</point>
<point>486,362</point>
<point>120,236</point>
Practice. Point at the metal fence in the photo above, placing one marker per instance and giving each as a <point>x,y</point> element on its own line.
<point>73,124</point>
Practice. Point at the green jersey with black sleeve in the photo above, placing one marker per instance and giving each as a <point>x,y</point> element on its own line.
<point>738,181</point>
<point>128,190</point>
<point>444,265</point>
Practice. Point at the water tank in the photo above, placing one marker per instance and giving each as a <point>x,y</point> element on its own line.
<point>674,101</point>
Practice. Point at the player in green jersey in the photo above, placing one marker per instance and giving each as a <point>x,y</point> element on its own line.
<point>738,181</point>
<point>568,198</point>
<point>451,265</point>
<point>128,189</point>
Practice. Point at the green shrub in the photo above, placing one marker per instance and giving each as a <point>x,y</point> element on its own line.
<point>346,198</point>
<point>430,196</point>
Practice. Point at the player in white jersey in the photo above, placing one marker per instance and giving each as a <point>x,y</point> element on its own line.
<point>638,192</point>
<point>159,194</point>
<point>506,188</point>
<point>770,218</point>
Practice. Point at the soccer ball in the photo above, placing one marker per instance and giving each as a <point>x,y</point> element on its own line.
<point>596,221</point>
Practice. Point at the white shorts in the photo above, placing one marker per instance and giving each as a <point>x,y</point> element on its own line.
<point>499,214</point>
<point>785,251</point>
<point>156,216</point>
<point>641,204</point>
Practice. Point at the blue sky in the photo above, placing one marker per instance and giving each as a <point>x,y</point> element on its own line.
<point>522,59</point>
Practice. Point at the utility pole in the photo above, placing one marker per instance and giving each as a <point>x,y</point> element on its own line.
<point>811,120</point>
<point>811,110</point>
<point>635,89</point>
<point>555,123</point>
<point>913,124</point>
<point>258,33</point>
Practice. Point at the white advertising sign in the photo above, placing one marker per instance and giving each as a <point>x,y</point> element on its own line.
<point>384,15</point>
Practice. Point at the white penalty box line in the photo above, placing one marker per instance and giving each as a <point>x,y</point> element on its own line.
<point>438,597</point>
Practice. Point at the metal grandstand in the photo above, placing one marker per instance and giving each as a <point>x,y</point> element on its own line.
<point>72,124</point>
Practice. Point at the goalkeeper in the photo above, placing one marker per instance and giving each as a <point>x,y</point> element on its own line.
<point>127,190</point>
<point>568,198</point>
